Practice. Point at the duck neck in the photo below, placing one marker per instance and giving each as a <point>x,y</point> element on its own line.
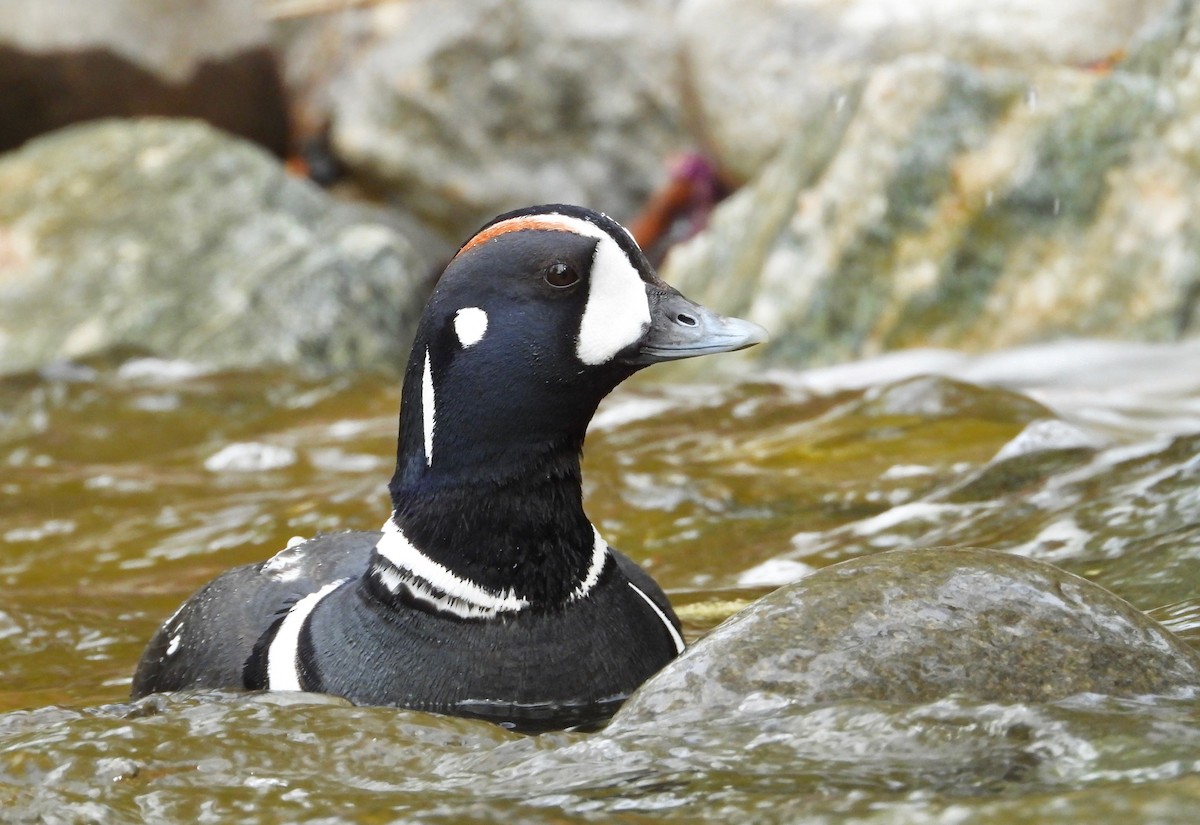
<point>491,518</point>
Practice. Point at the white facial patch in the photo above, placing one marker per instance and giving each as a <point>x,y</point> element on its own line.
<point>436,585</point>
<point>470,325</point>
<point>617,311</point>
<point>428,411</point>
<point>282,673</point>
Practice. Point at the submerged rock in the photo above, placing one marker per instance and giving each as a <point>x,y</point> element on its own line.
<point>173,237</point>
<point>914,626</point>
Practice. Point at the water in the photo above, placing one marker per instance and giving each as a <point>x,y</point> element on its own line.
<point>129,483</point>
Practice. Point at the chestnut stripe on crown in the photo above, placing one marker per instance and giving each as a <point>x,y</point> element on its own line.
<point>553,223</point>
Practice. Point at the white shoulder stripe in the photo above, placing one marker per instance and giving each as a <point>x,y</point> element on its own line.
<point>282,672</point>
<point>675,637</point>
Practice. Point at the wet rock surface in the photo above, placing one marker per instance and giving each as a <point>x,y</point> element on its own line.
<point>915,626</point>
<point>172,237</point>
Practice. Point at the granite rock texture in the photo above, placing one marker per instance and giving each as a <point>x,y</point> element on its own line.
<point>172,237</point>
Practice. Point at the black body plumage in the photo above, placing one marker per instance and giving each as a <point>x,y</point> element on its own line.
<point>488,593</point>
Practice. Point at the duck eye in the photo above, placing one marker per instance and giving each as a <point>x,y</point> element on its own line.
<point>561,276</point>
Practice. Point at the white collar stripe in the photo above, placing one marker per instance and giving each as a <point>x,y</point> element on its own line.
<point>395,547</point>
<point>394,580</point>
<point>282,670</point>
<point>675,637</point>
<point>599,557</point>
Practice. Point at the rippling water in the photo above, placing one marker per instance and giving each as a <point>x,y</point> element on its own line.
<point>127,484</point>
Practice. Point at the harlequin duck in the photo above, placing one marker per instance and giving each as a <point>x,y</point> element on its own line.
<point>488,592</point>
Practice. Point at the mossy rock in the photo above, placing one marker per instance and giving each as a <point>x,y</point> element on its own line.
<point>172,237</point>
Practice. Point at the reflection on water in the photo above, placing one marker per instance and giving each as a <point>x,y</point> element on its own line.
<point>127,485</point>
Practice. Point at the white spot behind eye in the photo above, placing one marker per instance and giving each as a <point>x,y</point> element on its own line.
<point>427,408</point>
<point>470,325</point>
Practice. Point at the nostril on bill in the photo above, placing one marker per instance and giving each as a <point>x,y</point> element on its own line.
<point>686,320</point>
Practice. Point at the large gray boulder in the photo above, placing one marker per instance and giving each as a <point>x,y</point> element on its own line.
<point>759,72</point>
<point>173,237</point>
<point>464,109</point>
<point>973,206</point>
<point>914,626</point>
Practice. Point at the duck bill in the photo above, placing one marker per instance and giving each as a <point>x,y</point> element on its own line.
<point>680,328</point>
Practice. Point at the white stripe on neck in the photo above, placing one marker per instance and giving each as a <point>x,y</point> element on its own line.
<point>283,671</point>
<point>428,413</point>
<point>445,590</point>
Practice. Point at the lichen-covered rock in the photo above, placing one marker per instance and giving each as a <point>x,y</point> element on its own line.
<point>974,208</point>
<point>914,626</point>
<point>176,238</point>
<point>62,62</point>
<point>465,109</point>
<point>759,72</point>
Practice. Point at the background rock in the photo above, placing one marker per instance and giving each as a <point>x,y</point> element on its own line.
<point>920,174</point>
<point>467,109</point>
<point>62,62</point>
<point>169,236</point>
<point>974,208</point>
<point>759,72</point>
<point>916,626</point>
